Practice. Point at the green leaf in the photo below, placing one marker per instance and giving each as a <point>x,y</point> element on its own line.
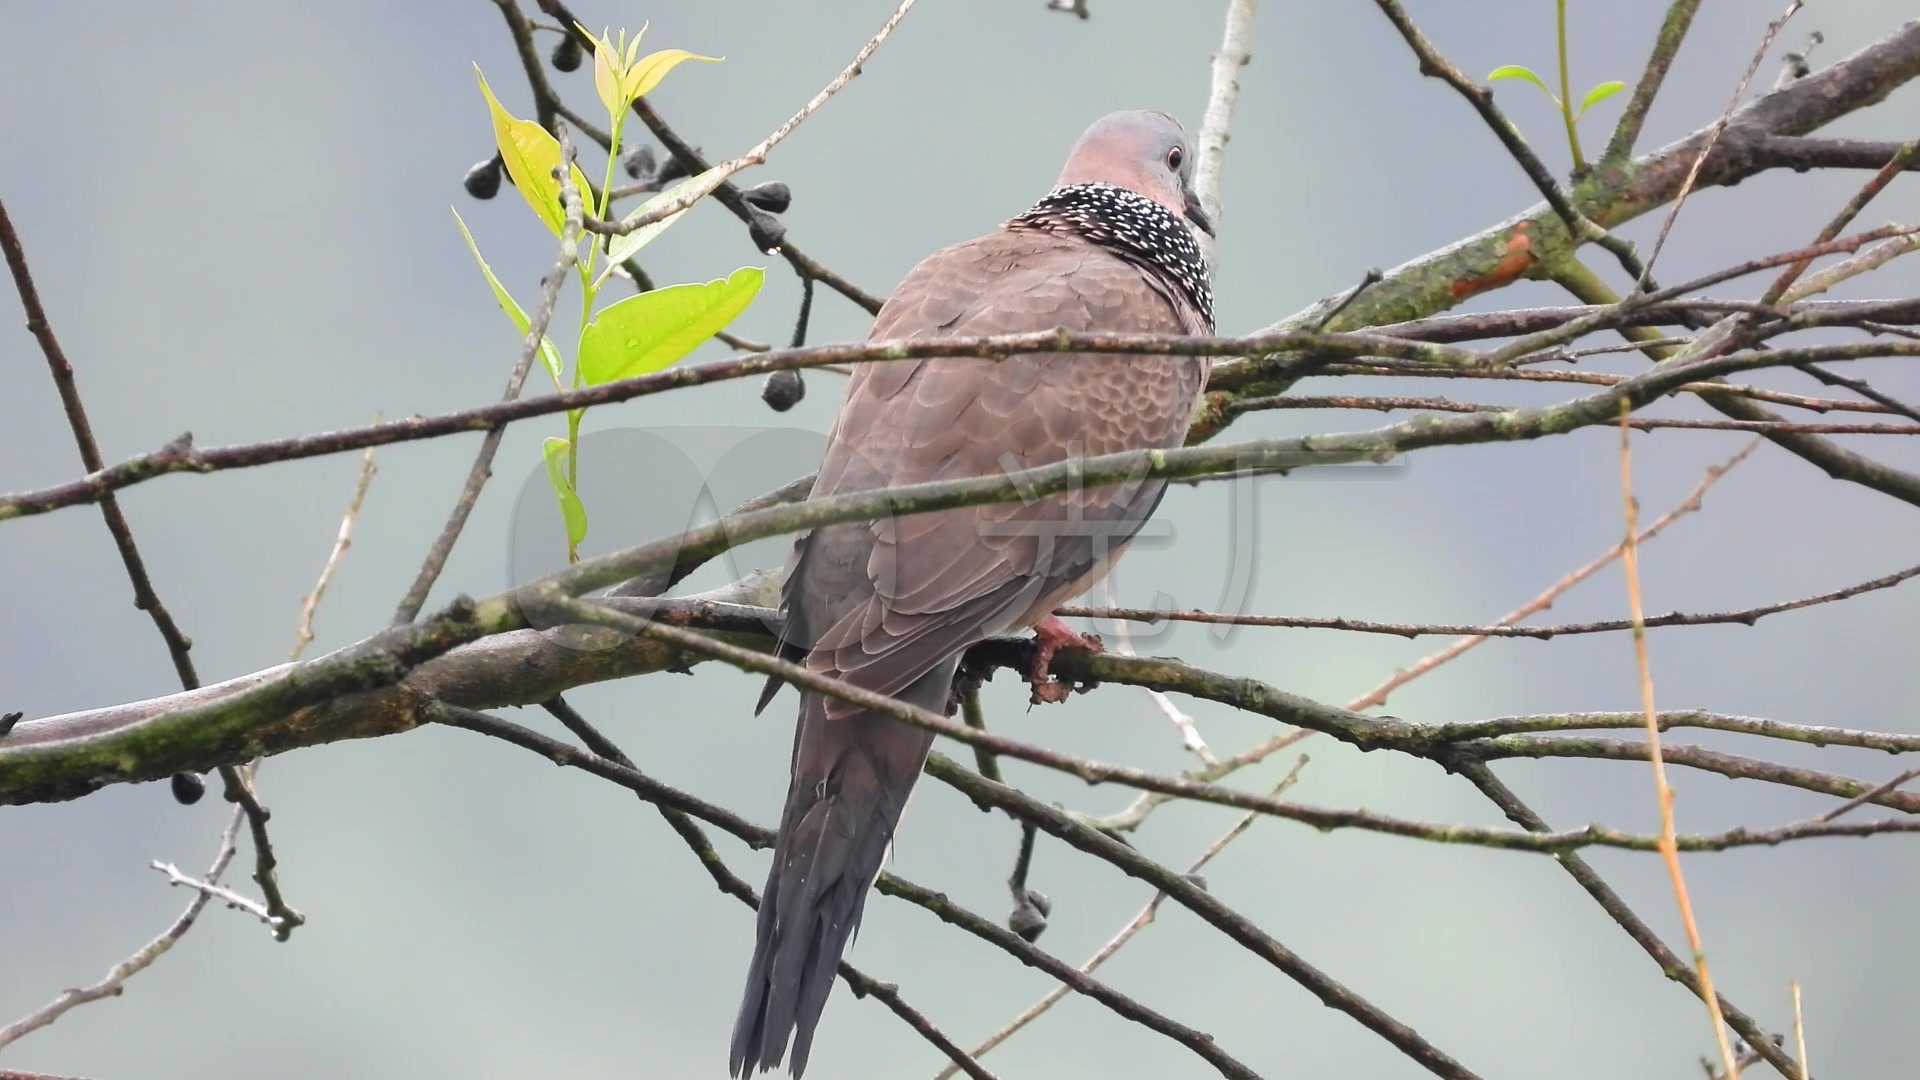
<point>623,247</point>
<point>1515,71</point>
<point>572,510</point>
<point>549,355</point>
<point>649,332</point>
<point>1599,94</point>
<point>621,74</point>
<point>532,156</point>
<point>643,76</point>
<point>606,81</point>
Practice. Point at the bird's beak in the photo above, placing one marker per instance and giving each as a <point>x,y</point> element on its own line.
<point>1196,213</point>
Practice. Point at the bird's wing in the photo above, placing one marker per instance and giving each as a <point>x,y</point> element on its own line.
<point>880,604</point>
<point>890,604</point>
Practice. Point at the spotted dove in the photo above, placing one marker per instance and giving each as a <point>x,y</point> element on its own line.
<point>890,606</point>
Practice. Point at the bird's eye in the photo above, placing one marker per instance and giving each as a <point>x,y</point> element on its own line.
<point>1174,159</point>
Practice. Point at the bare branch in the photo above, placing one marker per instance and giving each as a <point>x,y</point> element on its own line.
<point>1746,617</point>
<point>1128,932</point>
<point>342,540</point>
<point>680,808</point>
<point>41,328</point>
<point>1222,94</point>
<point>1673,30</point>
<point>1706,151</point>
<point>1434,65</point>
<point>133,965</point>
<point>477,476</point>
<point>215,891</point>
<point>1671,965</point>
<point>758,154</point>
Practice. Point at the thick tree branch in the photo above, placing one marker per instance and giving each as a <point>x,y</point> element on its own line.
<point>1673,30</point>
<point>1613,195</point>
<point>69,756</point>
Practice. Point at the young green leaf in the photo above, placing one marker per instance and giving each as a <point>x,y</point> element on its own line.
<point>1515,71</point>
<point>620,74</point>
<point>606,76</point>
<point>532,156</point>
<point>622,248</point>
<point>572,510</point>
<point>549,355</point>
<point>1599,94</point>
<point>649,332</point>
<point>642,77</point>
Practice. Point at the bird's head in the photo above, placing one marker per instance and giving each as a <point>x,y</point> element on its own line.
<point>1145,152</point>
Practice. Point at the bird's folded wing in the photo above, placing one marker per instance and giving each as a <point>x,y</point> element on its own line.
<point>881,603</point>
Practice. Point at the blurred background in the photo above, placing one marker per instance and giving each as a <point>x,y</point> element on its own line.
<point>237,214</point>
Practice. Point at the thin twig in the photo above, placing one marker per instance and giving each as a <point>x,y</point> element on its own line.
<point>1189,733</point>
<point>115,980</point>
<point>181,456</point>
<point>482,469</point>
<point>1630,563</point>
<point>1610,902</point>
<point>695,837</point>
<point>680,809</point>
<point>1874,186</point>
<point>1883,403</point>
<point>1434,65</point>
<point>1324,818</point>
<point>342,540</point>
<point>1706,151</point>
<point>1869,795</point>
<point>1798,65</point>
<point>1137,811</point>
<point>1378,696</point>
<point>144,596</point>
<point>1800,1030</point>
<point>41,328</point>
<point>1222,94</point>
<point>217,891</point>
<point>1595,378</point>
<point>758,154</point>
<point>1746,617</point>
<point>1139,922</point>
<point>1673,30</point>
<point>239,780</point>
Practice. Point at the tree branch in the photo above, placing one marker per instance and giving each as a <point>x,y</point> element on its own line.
<point>1611,197</point>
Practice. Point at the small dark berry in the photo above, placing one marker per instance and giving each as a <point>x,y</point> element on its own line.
<point>766,230</point>
<point>773,197</point>
<point>1028,922</point>
<point>7,721</point>
<point>783,390</point>
<point>640,164</point>
<point>1040,900</point>
<point>567,54</point>
<point>483,180</point>
<point>187,788</point>
<point>671,170</point>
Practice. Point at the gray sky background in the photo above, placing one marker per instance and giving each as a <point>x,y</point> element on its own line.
<point>237,213</point>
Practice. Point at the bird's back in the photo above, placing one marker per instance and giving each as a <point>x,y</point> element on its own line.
<point>889,605</point>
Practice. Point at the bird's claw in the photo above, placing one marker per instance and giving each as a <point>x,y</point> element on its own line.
<point>1050,635</point>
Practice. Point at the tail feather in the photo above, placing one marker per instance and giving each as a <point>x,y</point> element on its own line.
<point>851,779</point>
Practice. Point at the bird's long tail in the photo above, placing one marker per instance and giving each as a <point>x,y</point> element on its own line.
<point>852,775</point>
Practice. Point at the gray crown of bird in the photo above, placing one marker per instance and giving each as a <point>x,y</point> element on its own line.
<point>889,606</point>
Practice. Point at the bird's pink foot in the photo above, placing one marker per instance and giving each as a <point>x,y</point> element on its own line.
<point>1050,635</point>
